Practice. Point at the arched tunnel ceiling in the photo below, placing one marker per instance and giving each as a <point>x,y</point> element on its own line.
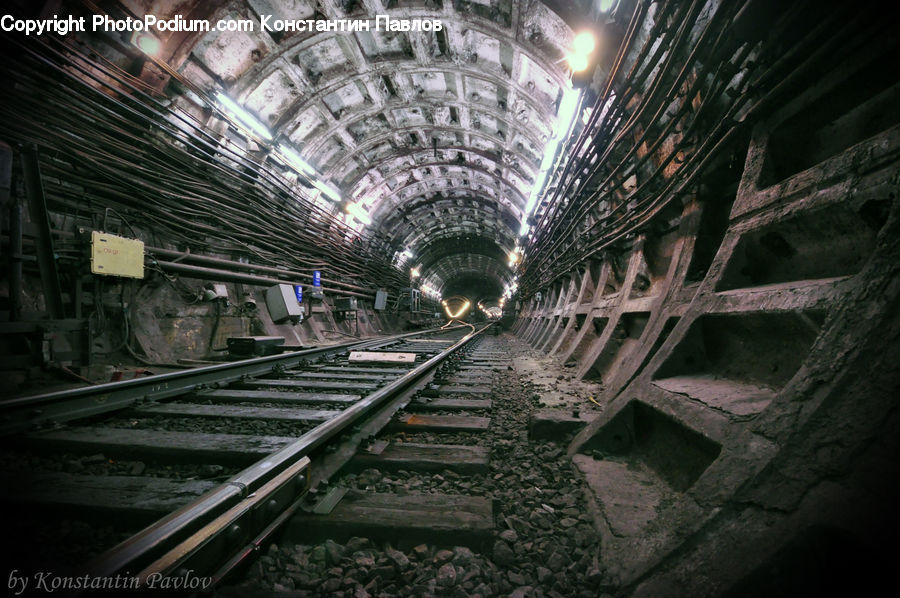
<point>474,287</point>
<point>473,275</point>
<point>449,226</point>
<point>439,135</point>
<point>447,244</point>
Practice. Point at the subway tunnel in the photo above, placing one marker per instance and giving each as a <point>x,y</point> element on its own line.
<point>676,219</point>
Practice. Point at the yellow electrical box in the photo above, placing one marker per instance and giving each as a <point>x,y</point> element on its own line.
<point>116,256</point>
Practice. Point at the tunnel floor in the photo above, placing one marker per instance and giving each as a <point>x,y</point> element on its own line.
<point>544,541</point>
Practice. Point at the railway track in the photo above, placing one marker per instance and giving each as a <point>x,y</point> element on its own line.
<point>444,430</point>
<point>199,468</point>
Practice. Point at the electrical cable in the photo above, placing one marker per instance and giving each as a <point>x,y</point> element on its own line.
<point>666,122</point>
<point>176,180</point>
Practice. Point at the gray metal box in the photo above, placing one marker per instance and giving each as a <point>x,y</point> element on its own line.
<point>381,299</point>
<point>282,303</point>
<point>345,304</point>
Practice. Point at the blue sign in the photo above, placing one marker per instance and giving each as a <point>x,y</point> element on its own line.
<point>298,290</point>
<point>317,278</point>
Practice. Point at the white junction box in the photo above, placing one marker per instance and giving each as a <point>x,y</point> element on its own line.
<point>282,303</point>
<point>116,256</point>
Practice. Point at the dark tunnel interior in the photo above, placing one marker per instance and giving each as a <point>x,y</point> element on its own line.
<point>614,280</point>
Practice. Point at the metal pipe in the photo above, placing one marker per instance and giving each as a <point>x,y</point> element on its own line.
<point>225,276</point>
<point>168,188</point>
<point>180,256</point>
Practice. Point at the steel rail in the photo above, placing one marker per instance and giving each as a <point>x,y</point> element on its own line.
<point>227,517</point>
<point>22,414</point>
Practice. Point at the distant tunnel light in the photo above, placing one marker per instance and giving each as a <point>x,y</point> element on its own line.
<point>146,43</point>
<point>327,190</point>
<point>248,120</point>
<point>515,256</point>
<point>509,290</point>
<point>357,211</point>
<point>460,312</point>
<point>294,159</point>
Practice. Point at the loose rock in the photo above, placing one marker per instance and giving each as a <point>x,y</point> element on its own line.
<point>510,536</point>
<point>446,575</point>
<point>503,554</point>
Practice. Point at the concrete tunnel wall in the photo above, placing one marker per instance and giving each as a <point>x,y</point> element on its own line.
<point>748,367</point>
<point>745,337</point>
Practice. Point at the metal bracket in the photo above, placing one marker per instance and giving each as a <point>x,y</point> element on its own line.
<point>330,501</point>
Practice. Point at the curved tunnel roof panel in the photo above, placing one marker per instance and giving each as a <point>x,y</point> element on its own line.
<point>435,134</point>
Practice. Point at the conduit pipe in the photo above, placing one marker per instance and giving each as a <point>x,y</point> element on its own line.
<point>183,256</point>
<point>225,276</point>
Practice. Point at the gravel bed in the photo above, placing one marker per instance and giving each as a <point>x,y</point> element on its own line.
<point>312,406</point>
<point>100,464</point>
<point>464,395</point>
<point>217,425</point>
<point>411,409</point>
<point>466,438</point>
<point>545,544</point>
<point>407,482</point>
<point>58,545</point>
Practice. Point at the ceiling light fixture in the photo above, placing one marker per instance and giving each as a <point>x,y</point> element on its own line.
<point>584,43</point>
<point>577,62</point>
<point>357,211</point>
<point>238,112</point>
<point>582,46</point>
<point>565,116</point>
<point>146,43</point>
<point>294,159</point>
<point>329,191</point>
